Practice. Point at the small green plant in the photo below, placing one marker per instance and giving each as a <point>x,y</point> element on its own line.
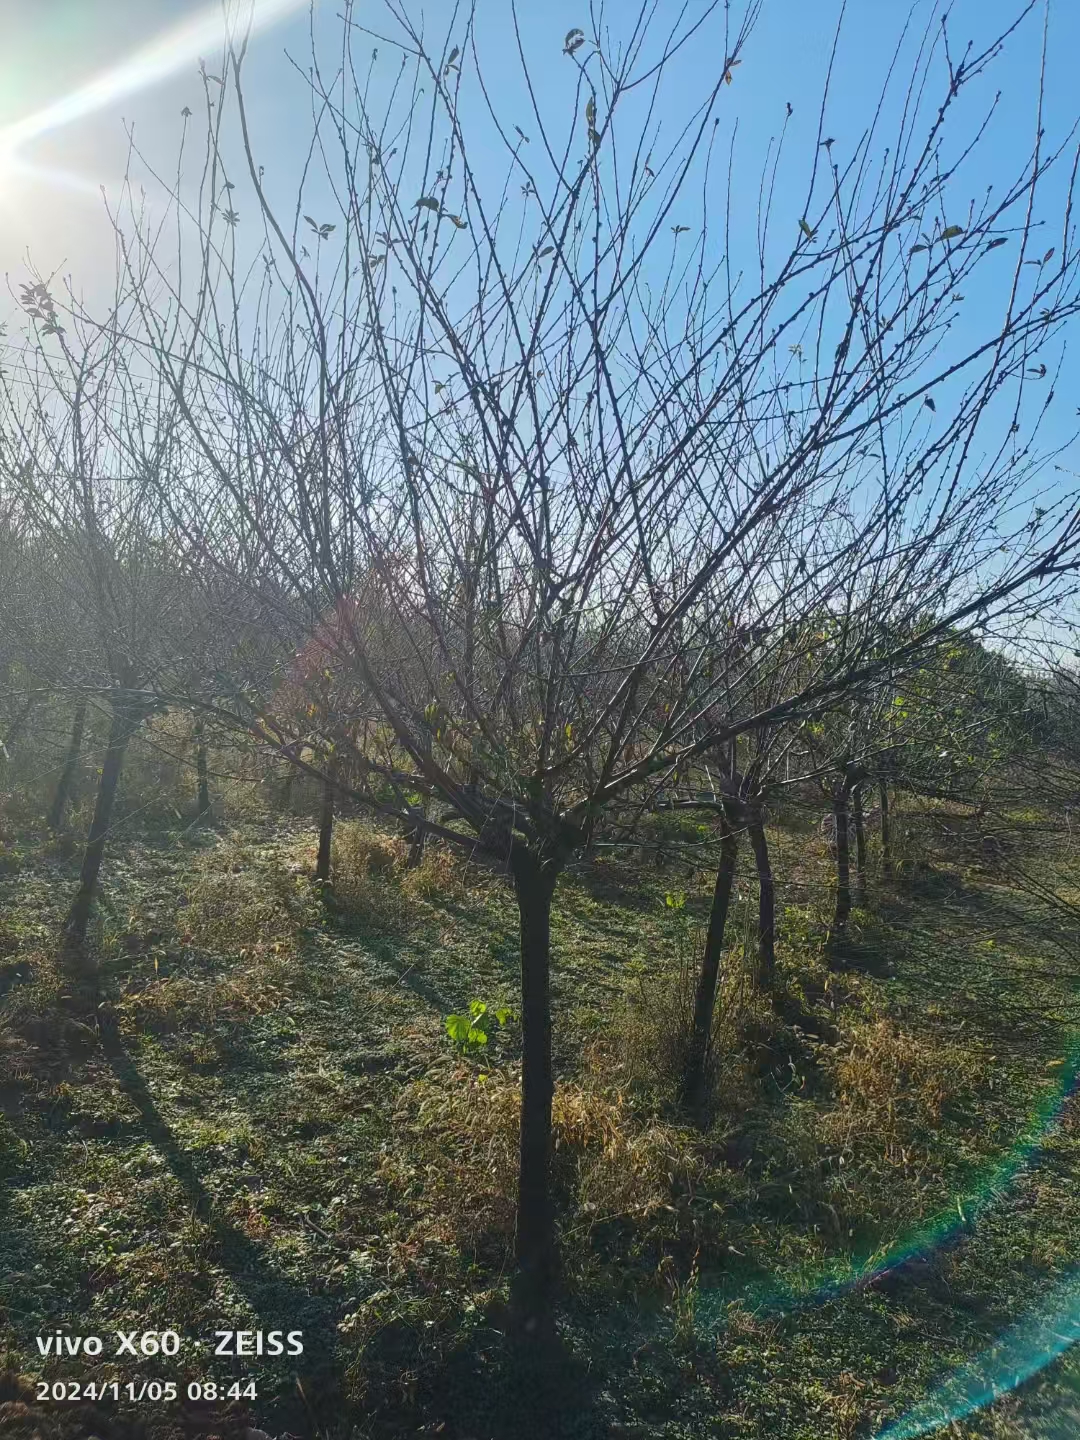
<point>470,1033</point>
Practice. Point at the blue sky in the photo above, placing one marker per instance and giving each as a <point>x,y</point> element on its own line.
<point>51,207</point>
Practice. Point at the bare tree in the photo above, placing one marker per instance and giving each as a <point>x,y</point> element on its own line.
<point>504,448</point>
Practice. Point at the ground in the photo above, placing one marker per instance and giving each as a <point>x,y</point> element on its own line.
<point>267,1128</point>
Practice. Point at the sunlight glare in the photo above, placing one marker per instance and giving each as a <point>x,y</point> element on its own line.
<point>161,58</point>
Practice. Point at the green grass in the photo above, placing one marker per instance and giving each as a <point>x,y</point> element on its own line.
<point>280,1136</point>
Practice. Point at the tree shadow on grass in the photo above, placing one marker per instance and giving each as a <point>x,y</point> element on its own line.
<point>490,1386</point>
<point>277,1301</point>
<point>390,955</point>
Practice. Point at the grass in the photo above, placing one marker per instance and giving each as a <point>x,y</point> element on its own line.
<point>272,1131</point>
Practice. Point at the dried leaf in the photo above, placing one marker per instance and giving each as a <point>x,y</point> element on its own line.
<point>574,39</point>
<point>427,203</point>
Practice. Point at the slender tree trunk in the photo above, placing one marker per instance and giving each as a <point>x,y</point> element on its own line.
<point>67,775</point>
<point>202,769</point>
<point>286,791</point>
<point>886,835</point>
<point>766,947</point>
<point>17,726</point>
<point>860,846</point>
<point>121,729</point>
<point>693,1089</point>
<point>534,885</point>
<point>326,825</point>
<point>415,837</point>
<point>843,863</point>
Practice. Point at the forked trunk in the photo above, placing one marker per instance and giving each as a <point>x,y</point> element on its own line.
<point>694,1079</point>
<point>121,729</point>
<point>202,770</point>
<point>860,846</point>
<point>766,944</point>
<point>326,825</point>
<point>67,775</point>
<point>534,885</point>
<point>843,863</point>
<point>886,834</point>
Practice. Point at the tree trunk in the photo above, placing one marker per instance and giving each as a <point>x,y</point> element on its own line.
<point>122,728</point>
<point>16,728</point>
<point>843,863</point>
<point>285,794</point>
<point>534,885</point>
<point>67,775</point>
<point>860,847</point>
<point>886,836</point>
<point>415,837</point>
<point>693,1088</point>
<point>202,769</point>
<point>766,946</point>
<point>326,826</point>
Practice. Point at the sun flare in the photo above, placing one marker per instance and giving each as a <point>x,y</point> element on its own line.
<point>168,54</point>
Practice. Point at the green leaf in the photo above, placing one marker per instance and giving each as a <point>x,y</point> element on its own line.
<point>477,1008</point>
<point>952,232</point>
<point>457,1027</point>
<point>805,228</point>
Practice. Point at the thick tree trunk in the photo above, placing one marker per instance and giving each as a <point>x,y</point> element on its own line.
<point>326,826</point>
<point>886,834</point>
<point>202,770</point>
<point>534,885</point>
<point>860,847</point>
<point>766,946</point>
<point>120,732</point>
<point>843,863</point>
<point>67,775</point>
<point>693,1087</point>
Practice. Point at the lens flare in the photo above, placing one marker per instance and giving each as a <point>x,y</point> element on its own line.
<point>1020,1353</point>
<point>163,57</point>
<point>1025,1348</point>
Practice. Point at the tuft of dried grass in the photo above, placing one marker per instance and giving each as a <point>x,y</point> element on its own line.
<point>360,851</point>
<point>615,1170</point>
<point>439,872</point>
